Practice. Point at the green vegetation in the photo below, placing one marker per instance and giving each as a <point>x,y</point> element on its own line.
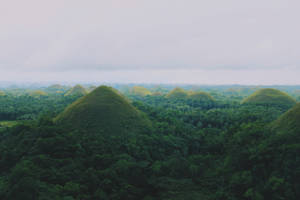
<point>112,147</point>
<point>8,124</point>
<point>102,110</point>
<point>271,96</point>
<point>91,88</point>
<point>201,96</point>
<point>25,107</point>
<point>56,89</point>
<point>177,93</point>
<point>140,91</point>
<point>77,90</point>
<point>289,122</point>
<point>2,93</point>
<point>37,93</point>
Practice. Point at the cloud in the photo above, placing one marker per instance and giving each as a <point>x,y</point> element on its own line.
<point>65,35</point>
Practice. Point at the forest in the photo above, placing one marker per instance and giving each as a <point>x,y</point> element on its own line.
<point>149,142</point>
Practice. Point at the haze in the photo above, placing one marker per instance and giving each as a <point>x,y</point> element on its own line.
<point>157,41</point>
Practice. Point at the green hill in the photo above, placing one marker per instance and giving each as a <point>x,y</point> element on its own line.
<point>201,96</point>
<point>157,94</point>
<point>56,88</point>
<point>77,90</point>
<point>140,91</point>
<point>270,96</point>
<point>102,110</point>
<point>37,93</point>
<point>289,122</point>
<point>2,93</point>
<point>177,93</point>
<point>91,88</point>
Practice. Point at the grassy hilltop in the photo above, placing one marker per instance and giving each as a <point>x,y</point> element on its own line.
<point>77,90</point>
<point>270,96</point>
<point>290,121</point>
<point>102,110</point>
<point>201,96</point>
<point>177,93</point>
<point>140,91</point>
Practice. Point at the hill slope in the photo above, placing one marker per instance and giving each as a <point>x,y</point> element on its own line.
<point>37,93</point>
<point>140,91</point>
<point>177,93</point>
<point>56,88</point>
<point>289,122</point>
<point>77,90</point>
<point>201,96</point>
<point>2,93</point>
<point>270,96</point>
<point>102,110</point>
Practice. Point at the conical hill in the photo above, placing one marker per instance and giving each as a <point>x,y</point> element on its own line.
<point>140,91</point>
<point>102,110</point>
<point>289,122</point>
<point>77,90</point>
<point>177,93</point>
<point>271,96</point>
<point>201,96</point>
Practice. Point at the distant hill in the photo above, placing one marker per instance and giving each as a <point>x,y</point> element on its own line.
<point>271,96</point>
<point>201,96</point>
<point>37,93</point>
<point>56,88</point>
<point>177,93</point>
<point>140,91</point>
<point>91,88</point>
<point>289,122</point>
<point>77,90</point>
<point>157,94</point>
<point>103,110</point>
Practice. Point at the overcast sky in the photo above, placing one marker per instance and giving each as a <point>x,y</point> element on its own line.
<point>167,41</point>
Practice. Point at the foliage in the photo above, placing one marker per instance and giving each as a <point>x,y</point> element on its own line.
<point>177,93</point>
<point>210,150</point>
<point>271,96</point>
<point>102,110</point>
<point>77,90</point>
<point>289,122</point>
<point>140,91</point>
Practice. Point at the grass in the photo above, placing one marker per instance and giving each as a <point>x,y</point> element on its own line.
<point>201,96</point>
<point>270,96</point>
<point>141,91</point>
<point>8,124</point>
<point>177,93</point>
<point>104,109</point>
<point>76,90</point>
<point>289,121</point>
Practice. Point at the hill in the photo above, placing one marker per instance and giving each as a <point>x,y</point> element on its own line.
<point>201,96</point>
<point>77,90</point>
<point>102,110</point>
<point>289,122</point>
<point>56,88</point>
<point>177,93</point>
<point>37,93</point>
<point>2,93</point>
<point>140,91</point>
<point>91,88</point>
<point>157,94</point>
<point>271,96</point>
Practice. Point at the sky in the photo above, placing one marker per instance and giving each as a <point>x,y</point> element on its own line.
<point>151,41</point>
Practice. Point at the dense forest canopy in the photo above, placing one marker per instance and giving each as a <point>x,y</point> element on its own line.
<point>148,142</point>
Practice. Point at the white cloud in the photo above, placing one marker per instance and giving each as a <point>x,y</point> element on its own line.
<point>71,35</point>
